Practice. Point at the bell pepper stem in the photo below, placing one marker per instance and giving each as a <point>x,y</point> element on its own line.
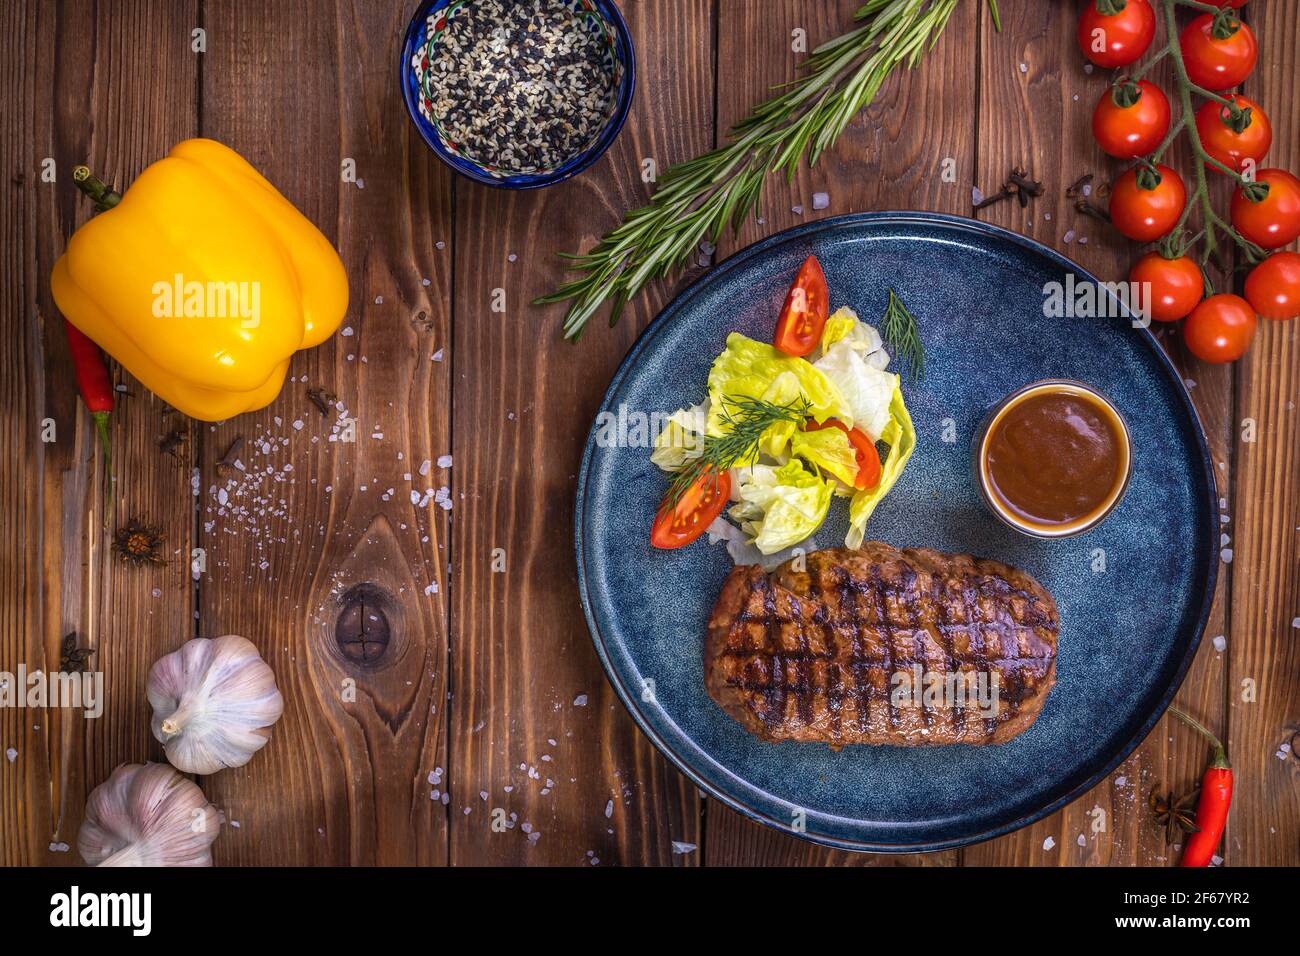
<point>99,192</point>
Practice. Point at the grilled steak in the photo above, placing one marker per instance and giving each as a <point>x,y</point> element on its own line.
<point>875,646</point>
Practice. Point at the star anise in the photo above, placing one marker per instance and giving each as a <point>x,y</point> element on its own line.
<point>1175,814</point>
<point>72,659</point>
<point>138,543</point>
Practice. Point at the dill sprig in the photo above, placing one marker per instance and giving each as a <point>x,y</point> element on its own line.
<point>900,332</point>
<point>699,198</point>
<point>746,420</point>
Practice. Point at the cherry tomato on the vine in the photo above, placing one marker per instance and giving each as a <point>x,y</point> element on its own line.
<point>1116,33</point>
<point>1214,61</point>
<point>1273,286</point>
<point>1176,285</point>
<point>1220,329</point>
<point>1144,205</point>
<point>1274,220</point>
<point>1131,119</point>
<point>1234,139</point>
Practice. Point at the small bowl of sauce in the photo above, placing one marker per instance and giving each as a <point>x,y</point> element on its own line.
<point>1053,459</point>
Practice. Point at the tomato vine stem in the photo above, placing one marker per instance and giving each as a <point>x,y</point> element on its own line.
<point>1211,222</point>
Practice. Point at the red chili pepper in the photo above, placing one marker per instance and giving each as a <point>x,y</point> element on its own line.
<point>1212,807</point>
<point>93,381</point>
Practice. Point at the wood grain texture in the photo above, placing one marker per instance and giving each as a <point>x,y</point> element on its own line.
<point>893,156</point>
<point>1037,100</point>
<point>489,684</point>
<point>353,771</point>
<point>1264,680</point>
<point>77,89</point>
<point>540,742</point>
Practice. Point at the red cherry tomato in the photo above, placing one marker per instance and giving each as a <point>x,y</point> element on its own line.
<point>1135,129</point>
<point>695,510</point>
<point>806,308</point>
<point>1220,329</point>
<point>868,458</point>
<point>1119,38</point>
<point>1275,220</point>
<point>1217,63</point>
<point>1273,286</point>
<point>1176,285</point>
<point>1227,145</point>
<point>1147,214</point>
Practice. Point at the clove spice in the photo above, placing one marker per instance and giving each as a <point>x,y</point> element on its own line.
<point>322,398</point>
<point>226,464</point>
<point>1018,184</point>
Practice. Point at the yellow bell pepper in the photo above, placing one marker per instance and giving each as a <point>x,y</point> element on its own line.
<point>202,280</point>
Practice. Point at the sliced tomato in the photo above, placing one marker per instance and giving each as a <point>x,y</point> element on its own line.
<point>868,458</point>
<point>806,307</point>
<point>695,510</point>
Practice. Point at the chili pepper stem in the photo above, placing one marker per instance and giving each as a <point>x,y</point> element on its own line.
<point>1220,761</point>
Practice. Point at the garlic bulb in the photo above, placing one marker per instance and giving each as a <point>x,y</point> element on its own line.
<point>214,702</point>
<point>148,815</point>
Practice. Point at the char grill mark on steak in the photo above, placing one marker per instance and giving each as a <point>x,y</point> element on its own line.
<point>833,637</point>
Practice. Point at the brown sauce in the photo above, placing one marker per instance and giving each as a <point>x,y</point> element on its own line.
<point>1056,456</point>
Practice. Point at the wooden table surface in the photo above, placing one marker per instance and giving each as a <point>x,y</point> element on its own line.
<point>489,695</point>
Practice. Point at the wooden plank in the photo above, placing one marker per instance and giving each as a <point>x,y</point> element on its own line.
<point>536,726</point>
<point>351,772</point>
<point>892,157</point>
<point>1035,109</point>
<point>81,84</point>
<point>1264,684</point>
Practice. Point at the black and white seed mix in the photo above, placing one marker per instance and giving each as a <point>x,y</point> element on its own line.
<point>517,86</point>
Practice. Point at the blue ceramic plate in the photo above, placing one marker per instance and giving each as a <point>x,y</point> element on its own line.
<point>1133,593</point>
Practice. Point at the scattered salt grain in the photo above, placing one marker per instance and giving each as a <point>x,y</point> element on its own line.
<point>976,196</point>
<point>1082,841</point>
<point>609,809</point>
<point>347,330</point>
<point>821,200</point>
<point>1048,843</point>
<point>797,210</point>
<point>580,700</point>
<point>444,461</point>
<point>436,356</point>
<point>679,847</point>
<point>1226,555</point>
<point>11,754</point>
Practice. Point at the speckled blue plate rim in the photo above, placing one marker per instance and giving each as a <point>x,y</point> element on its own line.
<point>670,313</point>
<point>414,34</point>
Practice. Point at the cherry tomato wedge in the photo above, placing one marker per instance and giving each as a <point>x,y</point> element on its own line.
<point>695,510</point>
<point>806,308</point>
<point>868,458</point>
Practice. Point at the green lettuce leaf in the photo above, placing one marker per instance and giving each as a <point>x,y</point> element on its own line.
<point>750,369</point>
<point>830,450</point>
<point>779,507</point>
<point>900,435</point>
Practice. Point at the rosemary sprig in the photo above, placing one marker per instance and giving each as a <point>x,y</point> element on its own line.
<point>746,420</point>
<point>699,198</point>
<point>900,332</point>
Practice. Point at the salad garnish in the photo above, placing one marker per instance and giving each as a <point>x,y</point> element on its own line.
<point>903,336</point>
<point>787,428</point>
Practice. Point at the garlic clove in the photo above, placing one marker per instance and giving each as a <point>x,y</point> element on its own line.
<point>148,815</point>
<point>214,702</point>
